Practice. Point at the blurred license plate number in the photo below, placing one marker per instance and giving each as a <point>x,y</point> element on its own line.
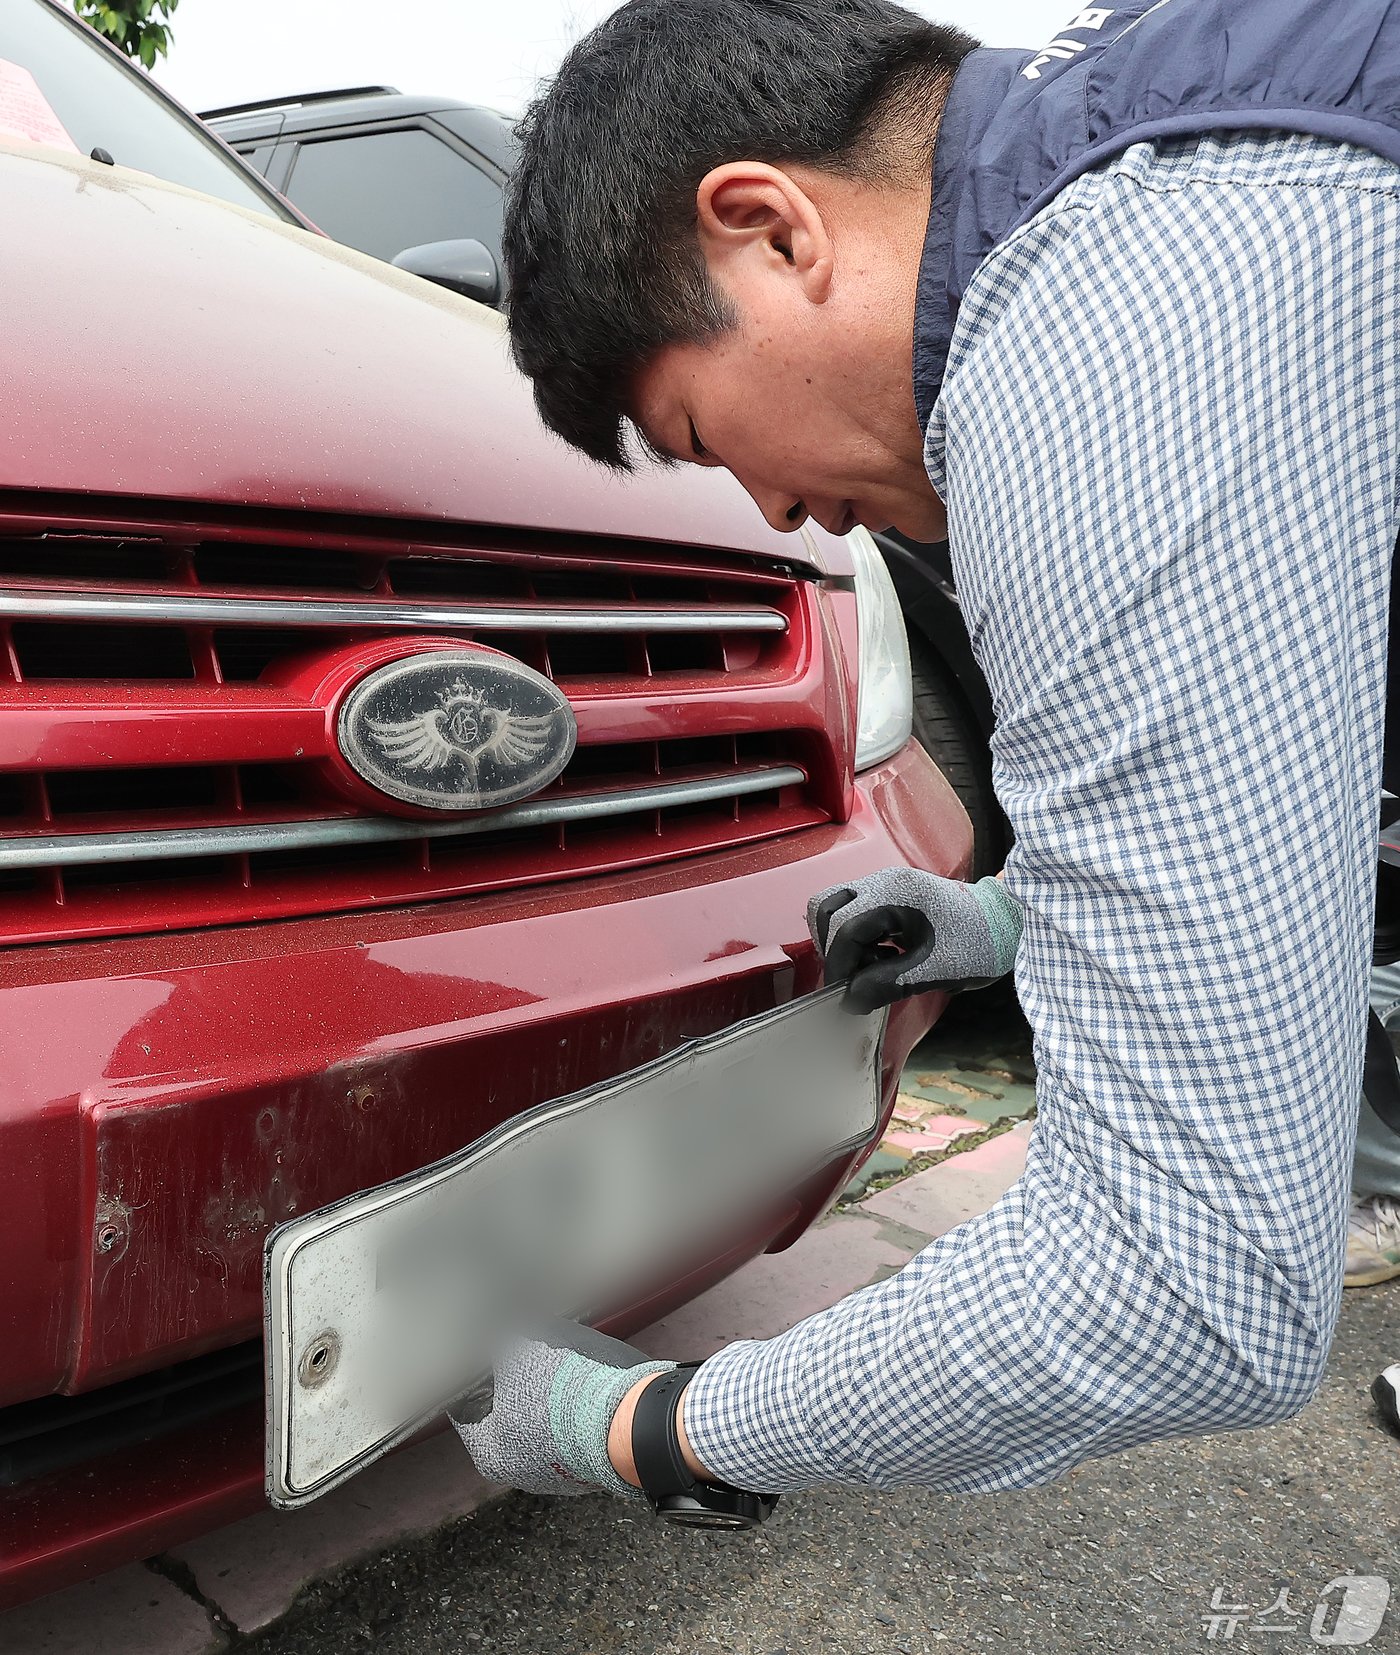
<point>380,1310</point>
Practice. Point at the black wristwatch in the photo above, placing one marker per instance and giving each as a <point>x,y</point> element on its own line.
<point>675,1495</point>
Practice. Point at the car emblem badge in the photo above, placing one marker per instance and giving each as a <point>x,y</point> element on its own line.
<point>456,730</point>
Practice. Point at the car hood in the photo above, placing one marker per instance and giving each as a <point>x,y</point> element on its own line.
<point>163,345</point>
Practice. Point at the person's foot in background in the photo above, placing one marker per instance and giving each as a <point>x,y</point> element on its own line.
<point>1373,1241</point>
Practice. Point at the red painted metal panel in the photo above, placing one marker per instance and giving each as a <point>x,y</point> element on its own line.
<point>369,391</point>
<point>169,1099</point>
<point>178,1069</point>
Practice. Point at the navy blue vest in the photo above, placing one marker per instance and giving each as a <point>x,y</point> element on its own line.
<point>1020,126</point>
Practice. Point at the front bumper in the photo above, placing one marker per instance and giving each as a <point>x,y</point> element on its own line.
<point>174,1097</point>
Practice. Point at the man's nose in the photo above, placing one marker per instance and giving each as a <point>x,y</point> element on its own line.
<point>784,512</point>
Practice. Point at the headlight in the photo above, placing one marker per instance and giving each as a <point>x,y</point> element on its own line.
<point>885,703</point>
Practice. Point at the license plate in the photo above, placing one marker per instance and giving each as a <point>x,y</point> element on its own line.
<point>382,1309</point>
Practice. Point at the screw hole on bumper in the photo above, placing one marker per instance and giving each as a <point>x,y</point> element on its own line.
<point>319,1359</point>
<point>107,1238</point>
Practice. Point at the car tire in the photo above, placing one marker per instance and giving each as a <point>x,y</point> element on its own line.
<point>944,728</point>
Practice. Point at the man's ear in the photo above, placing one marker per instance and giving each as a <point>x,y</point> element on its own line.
<point>747,210</point>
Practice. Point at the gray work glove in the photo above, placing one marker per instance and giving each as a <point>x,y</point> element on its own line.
<point>903,931</point>
<point>547,1431</point>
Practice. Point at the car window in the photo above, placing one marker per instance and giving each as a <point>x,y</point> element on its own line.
<point>257,155</point>
<point>385,191</point>
<point>105,104</point>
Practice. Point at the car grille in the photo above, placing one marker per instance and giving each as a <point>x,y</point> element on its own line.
<point>153,774</point>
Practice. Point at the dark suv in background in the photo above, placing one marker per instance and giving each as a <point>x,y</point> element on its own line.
<point>419,181</point>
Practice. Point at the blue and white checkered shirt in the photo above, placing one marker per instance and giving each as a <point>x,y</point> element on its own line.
<point>1169,440</point>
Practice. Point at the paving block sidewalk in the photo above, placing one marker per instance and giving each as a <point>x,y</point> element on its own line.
<point>973,1075</point>
<point>936,1170</point>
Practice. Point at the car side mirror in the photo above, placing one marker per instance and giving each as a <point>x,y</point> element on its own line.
<point>467,267</point>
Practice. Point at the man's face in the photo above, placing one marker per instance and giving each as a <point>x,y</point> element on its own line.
<point>808,399</point>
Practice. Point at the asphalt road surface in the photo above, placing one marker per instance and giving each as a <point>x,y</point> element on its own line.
<point>1125,1555</point>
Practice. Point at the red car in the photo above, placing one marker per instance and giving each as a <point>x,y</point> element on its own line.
<point>373,772</point>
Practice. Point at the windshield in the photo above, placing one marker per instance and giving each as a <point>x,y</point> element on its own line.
<point>107,104</point>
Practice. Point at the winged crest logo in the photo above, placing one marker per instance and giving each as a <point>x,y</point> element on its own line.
<point>462,725</point>
<point>456,730</point>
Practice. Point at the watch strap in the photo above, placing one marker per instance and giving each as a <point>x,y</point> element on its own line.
<point>674,1492</point>
<point>656,1443</point>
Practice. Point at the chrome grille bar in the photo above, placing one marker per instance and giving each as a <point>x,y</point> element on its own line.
<point>45,604</point>
<point>85,849</point>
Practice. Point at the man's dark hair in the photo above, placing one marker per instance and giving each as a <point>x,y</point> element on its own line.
<point>601,251</point>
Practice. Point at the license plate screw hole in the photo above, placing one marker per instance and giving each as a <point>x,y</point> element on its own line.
<point>107,1238</point>
<point>319,1359</point>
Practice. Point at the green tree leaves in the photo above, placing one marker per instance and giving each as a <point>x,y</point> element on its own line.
<point>140,27</point>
